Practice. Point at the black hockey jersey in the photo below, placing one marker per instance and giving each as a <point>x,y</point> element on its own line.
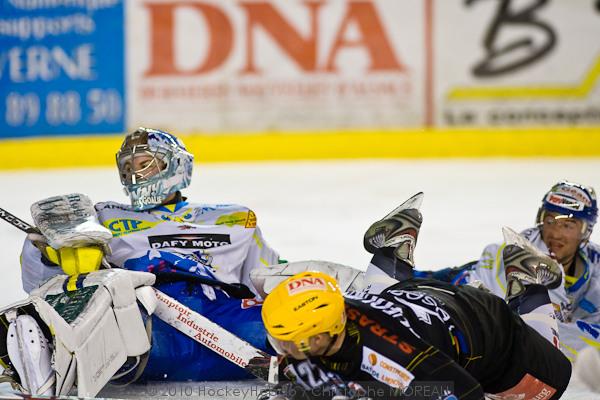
<point>426,339</point>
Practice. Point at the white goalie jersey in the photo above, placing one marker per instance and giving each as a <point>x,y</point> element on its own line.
<point>221,242</point>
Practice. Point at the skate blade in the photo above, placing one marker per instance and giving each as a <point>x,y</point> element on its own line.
<point>513,238</point>
<point>414,202</point>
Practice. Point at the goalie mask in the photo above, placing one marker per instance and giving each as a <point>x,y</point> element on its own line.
<point>571,200</point>
<point>153,165</point>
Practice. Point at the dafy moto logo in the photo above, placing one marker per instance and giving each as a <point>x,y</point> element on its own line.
<point>190,241</point>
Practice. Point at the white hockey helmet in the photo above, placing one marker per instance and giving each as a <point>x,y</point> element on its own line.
<point>153,164</point>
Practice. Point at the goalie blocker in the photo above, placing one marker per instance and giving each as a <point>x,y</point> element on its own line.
<point>60,338</point>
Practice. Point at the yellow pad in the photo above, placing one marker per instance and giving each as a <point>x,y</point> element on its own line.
<point>79,260</point>
<point>52,255</point>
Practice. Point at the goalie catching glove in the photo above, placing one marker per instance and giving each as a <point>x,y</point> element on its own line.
<point>70,234</point>
<point>60,338</point>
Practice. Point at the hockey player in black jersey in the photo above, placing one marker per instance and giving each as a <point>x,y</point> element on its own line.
<point>418,338</point>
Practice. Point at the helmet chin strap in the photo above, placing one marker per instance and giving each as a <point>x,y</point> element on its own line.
<point>331,343</point>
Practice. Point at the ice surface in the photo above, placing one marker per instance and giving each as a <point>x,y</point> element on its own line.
<point>320,210</point>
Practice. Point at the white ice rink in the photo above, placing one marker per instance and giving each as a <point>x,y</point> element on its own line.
<point>320,210</point>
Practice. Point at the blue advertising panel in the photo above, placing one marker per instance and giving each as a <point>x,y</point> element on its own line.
<point>61,67</point>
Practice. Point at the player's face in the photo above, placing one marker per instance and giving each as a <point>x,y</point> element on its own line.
<point>562,235</point>
<point>318,344</point>
<point>290,349</point>
<point>141,166</point>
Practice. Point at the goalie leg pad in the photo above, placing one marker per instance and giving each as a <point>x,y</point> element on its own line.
<point>65,365</point>
<point>30,354</point>
<point>265,279</point>
<point>105,328</point>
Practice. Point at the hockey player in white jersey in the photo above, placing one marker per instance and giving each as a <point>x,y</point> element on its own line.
<point>564,223</point>
<point>192,249</point>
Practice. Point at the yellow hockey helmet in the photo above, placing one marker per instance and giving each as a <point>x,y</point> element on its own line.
<point>304,305</point>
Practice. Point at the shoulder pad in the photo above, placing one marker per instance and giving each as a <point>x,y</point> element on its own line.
<point>530,233</point>
<point>225,214</point>
<point>218,208</point>
<point>592,251</point>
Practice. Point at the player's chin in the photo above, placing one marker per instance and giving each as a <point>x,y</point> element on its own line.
<point>296,355</point>
<point>561,255</point>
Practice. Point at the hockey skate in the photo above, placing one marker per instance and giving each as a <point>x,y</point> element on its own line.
<point>397,232</point>
<point>525,265</point>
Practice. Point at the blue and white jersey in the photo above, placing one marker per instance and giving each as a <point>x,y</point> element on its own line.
<point>580,300</point>
<point>577,305</point>
<point>221,242</point>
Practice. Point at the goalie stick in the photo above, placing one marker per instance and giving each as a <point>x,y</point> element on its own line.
<point>216,338</point>
<point>198,327</point>
<point>17,222</point>
<point>24,396</point>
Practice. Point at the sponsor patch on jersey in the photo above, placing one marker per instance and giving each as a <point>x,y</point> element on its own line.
<point>125,226</point>
<point>190,241</point>
<point>186,227</point>
<point>304,284</point>
<point>385,370</point>
<point>251,221</point>
<point>247,303</point>
<point>112,206</point>
<point>528,388</point>
<point>375,328</point>
<point>247,219</point>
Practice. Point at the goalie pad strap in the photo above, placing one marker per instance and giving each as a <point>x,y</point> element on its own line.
<point>265,279</point>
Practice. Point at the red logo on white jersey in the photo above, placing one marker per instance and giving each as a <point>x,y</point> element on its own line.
<point>247,303</point>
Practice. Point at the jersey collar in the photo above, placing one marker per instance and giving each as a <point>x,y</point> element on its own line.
<point>172,208</point>
<point>585,276</point>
